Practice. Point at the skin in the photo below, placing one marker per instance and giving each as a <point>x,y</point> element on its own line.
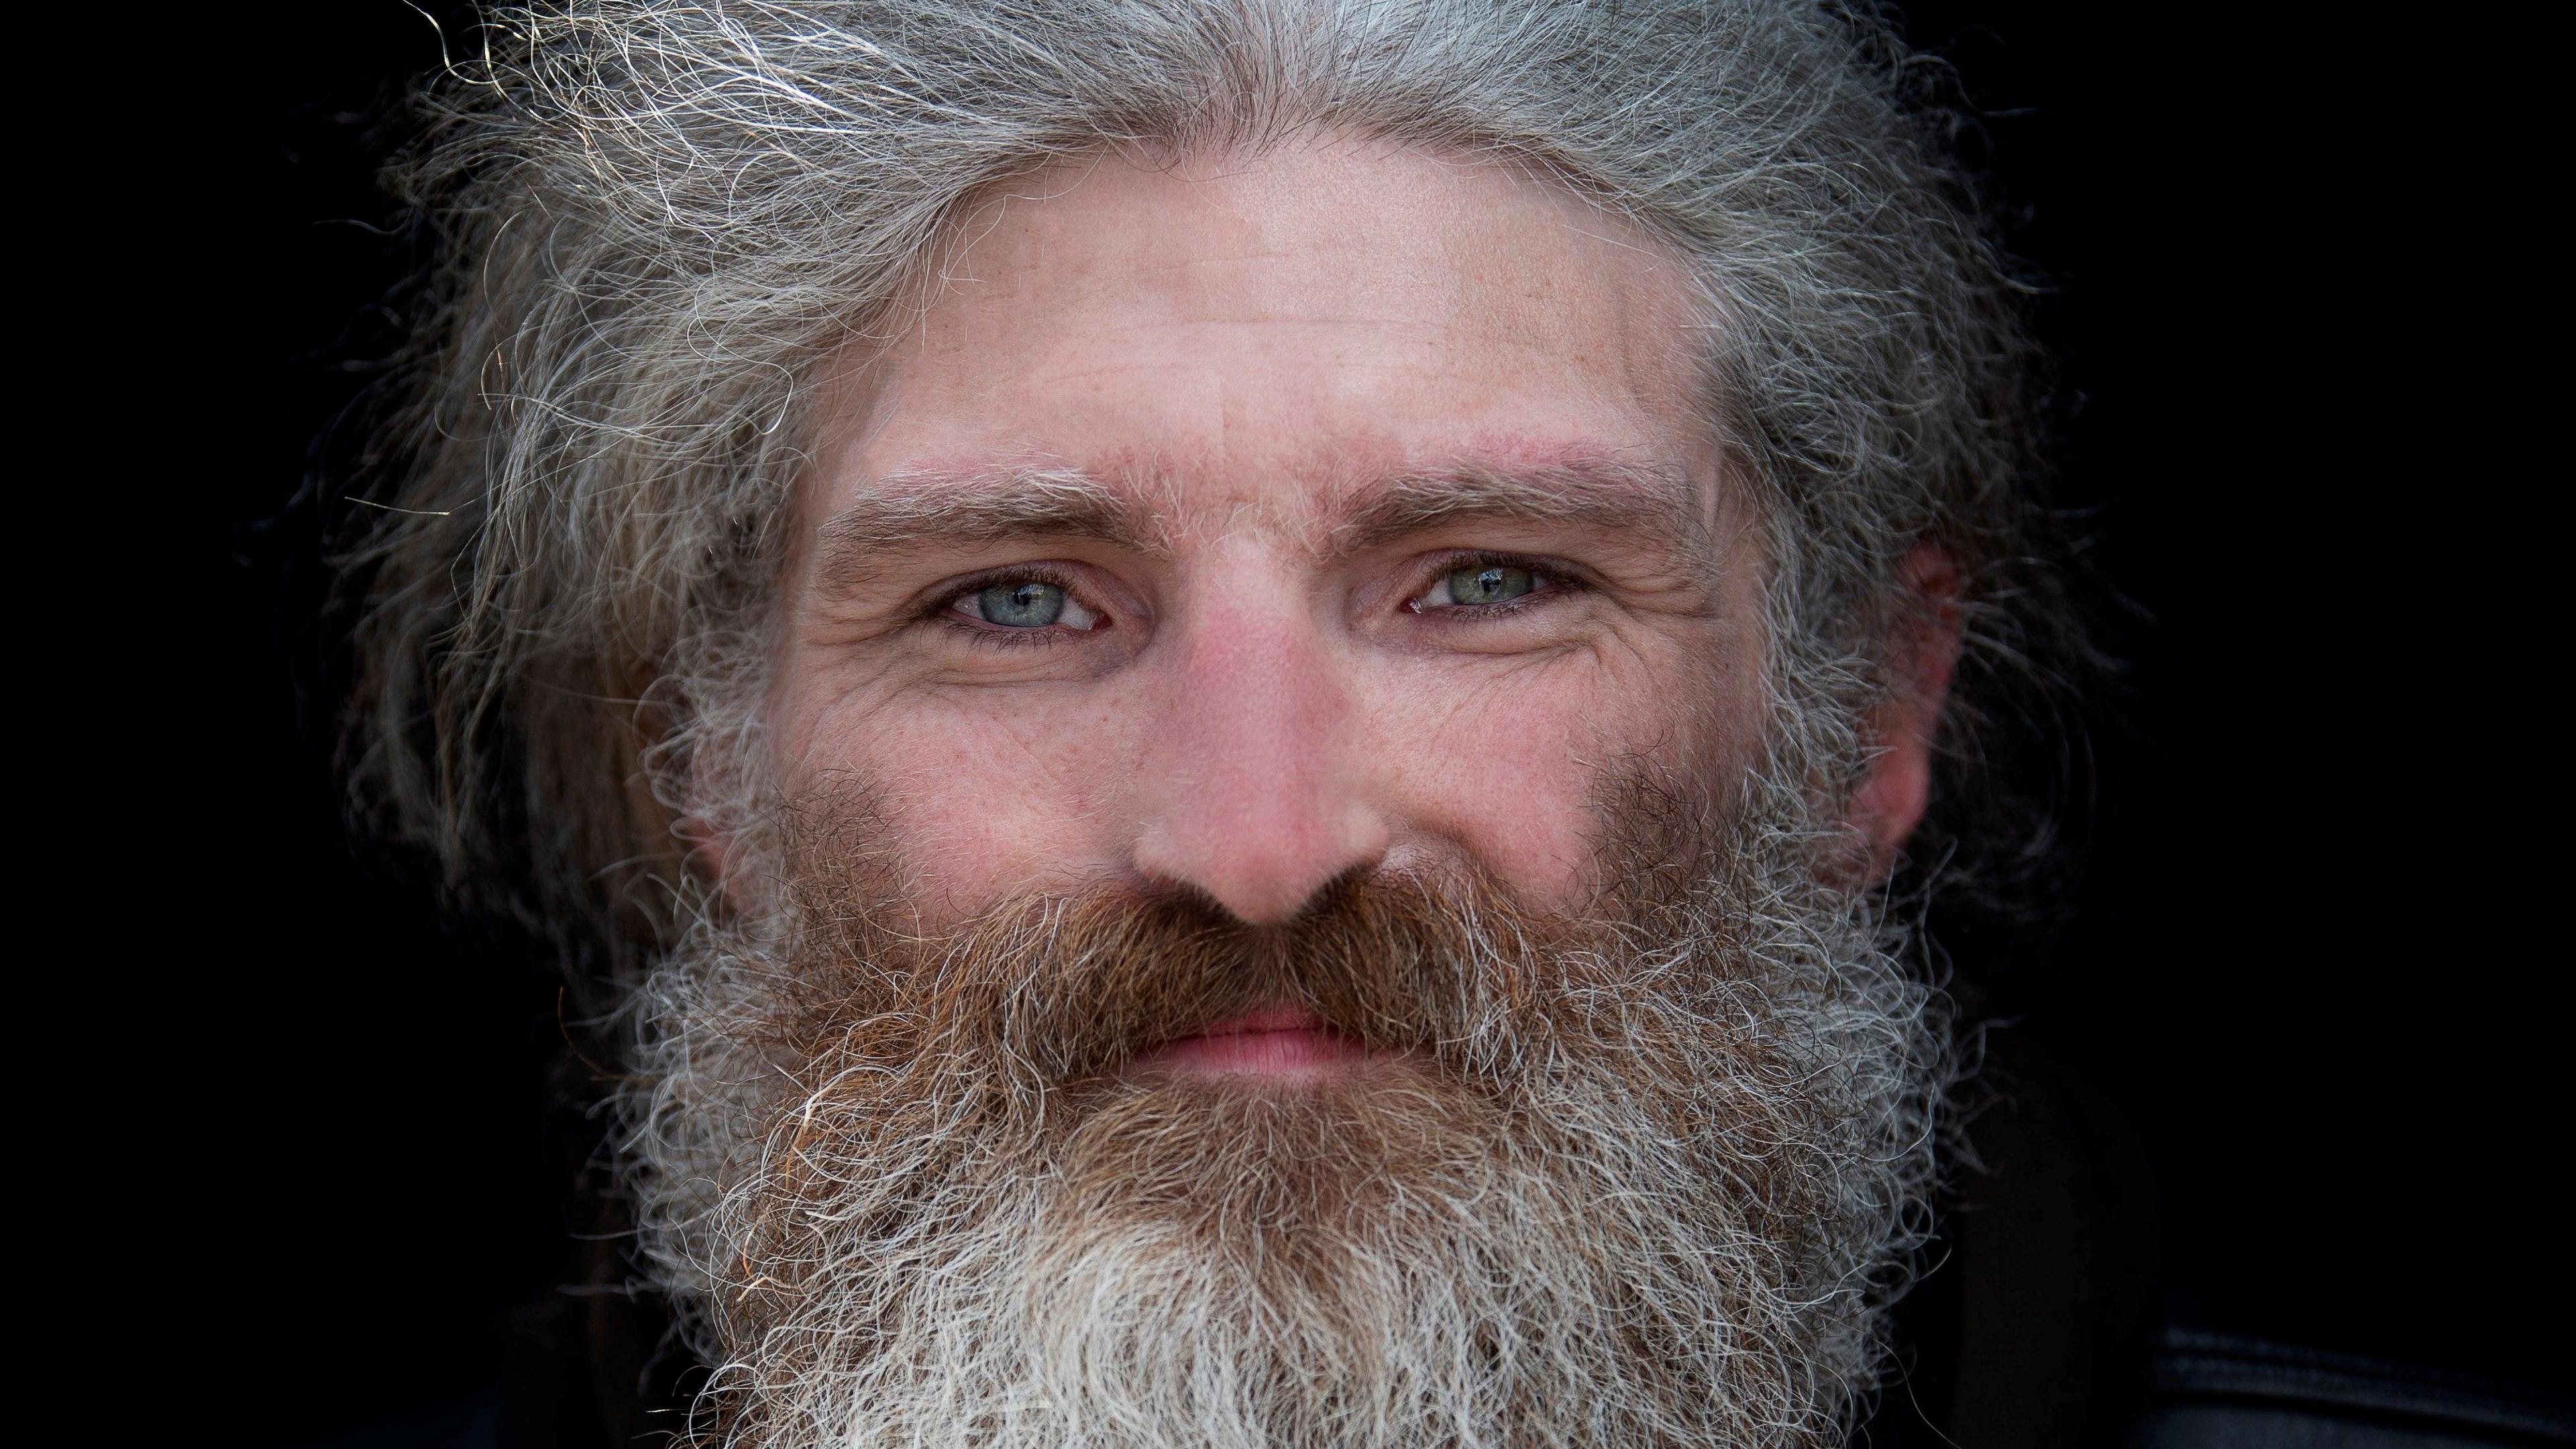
<point>1241,360</point>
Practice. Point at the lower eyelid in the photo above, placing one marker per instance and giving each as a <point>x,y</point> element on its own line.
<point>1528,600</point>
<point>999,637</point>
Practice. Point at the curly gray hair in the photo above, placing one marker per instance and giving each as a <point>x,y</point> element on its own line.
<point>657,218</point>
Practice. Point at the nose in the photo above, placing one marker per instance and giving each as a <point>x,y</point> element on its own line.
<point>1256,793</point>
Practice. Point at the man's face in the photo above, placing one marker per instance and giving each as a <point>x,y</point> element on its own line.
<point>1238,525</point>
<point>1279,923</point>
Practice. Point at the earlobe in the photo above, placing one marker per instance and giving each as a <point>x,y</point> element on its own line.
<point>1890,800</point>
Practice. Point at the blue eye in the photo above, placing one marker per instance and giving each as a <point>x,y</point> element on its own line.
<point>1489,583</point>
<point>1473,589</point>
<point>1026,604</point>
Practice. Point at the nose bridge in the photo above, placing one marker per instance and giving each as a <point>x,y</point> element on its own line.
<point>1257,797</point>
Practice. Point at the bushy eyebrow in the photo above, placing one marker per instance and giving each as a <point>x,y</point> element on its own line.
<point>1656,504</point>
<point>907,512</point>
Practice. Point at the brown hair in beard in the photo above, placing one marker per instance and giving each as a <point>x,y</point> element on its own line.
<point>1057,992</point>
<point>1010,1030</point>
<point>1636,1140</point>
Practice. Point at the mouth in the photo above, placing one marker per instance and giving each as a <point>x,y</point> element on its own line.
<point>1274,1042</point>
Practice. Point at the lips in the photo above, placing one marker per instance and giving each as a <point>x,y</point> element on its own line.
<point>1273,1041</point>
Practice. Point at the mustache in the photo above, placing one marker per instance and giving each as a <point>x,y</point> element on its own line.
<point>1056,990</point>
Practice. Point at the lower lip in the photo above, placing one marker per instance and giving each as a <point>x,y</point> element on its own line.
<point>1255,1047</point>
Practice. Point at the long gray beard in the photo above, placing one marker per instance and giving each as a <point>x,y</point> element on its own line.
<point>1657,1190</point>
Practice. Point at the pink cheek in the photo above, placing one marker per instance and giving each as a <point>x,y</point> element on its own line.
<point>980,812</point>
<point>1518,800</point>
<point>965,857</point>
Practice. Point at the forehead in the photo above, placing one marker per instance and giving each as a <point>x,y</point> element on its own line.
<point>1263,332</point>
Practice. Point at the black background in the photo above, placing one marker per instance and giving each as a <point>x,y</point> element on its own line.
<point>2313,958</point>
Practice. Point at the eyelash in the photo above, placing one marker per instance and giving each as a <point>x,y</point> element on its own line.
<point>993,635</point>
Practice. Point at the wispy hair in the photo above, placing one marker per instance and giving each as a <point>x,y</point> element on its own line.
<point>657,220</point>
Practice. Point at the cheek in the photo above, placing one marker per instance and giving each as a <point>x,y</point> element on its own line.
<point>980,797</point>
<point>1521,808</point>
<point>1509,768</point>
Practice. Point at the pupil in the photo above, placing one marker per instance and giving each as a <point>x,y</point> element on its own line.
<point>1023,605</point>
<point>1489,584</point>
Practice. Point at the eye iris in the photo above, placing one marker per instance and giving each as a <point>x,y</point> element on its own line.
<point>1489,584</point>
<point>1024,605</point>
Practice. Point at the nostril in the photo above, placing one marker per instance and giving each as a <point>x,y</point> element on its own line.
<point>1261,871</point>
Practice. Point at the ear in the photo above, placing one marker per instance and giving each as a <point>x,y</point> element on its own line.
<point>1890,799</point>
<point>667,847</point>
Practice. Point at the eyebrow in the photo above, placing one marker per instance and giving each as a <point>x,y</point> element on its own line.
<point>1660,504</point>
<point>906,512</point>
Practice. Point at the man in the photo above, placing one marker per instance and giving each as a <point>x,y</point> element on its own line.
<point>1234,689</point>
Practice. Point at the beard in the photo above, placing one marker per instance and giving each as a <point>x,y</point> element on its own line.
<point>1644,1173</point>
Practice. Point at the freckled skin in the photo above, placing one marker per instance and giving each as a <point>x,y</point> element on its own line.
<point>1250,341</point>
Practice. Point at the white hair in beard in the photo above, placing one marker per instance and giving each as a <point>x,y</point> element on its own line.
<point>1646,1181</point>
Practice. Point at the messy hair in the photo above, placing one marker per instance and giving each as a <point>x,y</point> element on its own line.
<point>656,220</point>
